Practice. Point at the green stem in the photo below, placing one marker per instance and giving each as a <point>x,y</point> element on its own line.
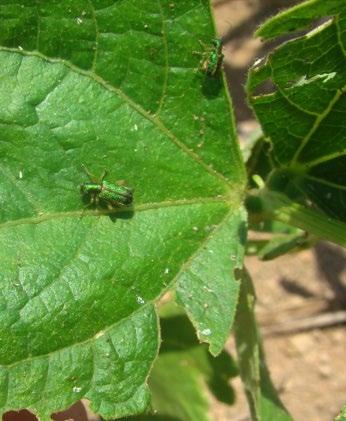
<point>267,204</point>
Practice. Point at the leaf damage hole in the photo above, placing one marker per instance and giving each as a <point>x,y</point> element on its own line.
<point>21,415</point>
<point>267,87</point>
<point>79,411</point>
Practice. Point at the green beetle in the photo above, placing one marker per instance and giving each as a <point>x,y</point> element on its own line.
<point>100,190</point>
<point>212,65</point>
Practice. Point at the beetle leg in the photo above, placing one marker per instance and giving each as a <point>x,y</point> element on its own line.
<point>204,46</point>
<point>94,200</point>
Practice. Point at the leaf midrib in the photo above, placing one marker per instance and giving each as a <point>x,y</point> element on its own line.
<point>233,202</point>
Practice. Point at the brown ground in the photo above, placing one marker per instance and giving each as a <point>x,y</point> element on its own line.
<point>308,368</point>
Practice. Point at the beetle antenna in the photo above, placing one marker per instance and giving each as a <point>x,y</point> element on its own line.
<point>104,174</point>
<point>88,173</point>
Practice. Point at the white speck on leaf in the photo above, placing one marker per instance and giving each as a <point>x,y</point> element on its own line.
<point>79,21</point>
<point>140,300</point>
<point>135,127</point>
<point>166,271</point>
<point>76,389</point>
<point>206,332</point>
<point>20,175</point>
<point>325,77</point>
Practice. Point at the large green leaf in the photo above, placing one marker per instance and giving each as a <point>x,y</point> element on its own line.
<point>304,111</point>
<point>111,85</point>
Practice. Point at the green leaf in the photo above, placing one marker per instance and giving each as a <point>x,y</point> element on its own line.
<point>262,398</point>
<point>299,96</point>
<point>185,371</point>
<point>258,162</point>
<point>79,284</point>
<point>299,17</point>
<point>342,415</point>
<point>268,204</point>
<point>144,53</point>
<point>208,284</point>
<point>107,369</point>
<point>281,245</point>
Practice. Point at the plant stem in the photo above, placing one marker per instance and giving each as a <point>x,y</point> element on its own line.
<point>266,204</point>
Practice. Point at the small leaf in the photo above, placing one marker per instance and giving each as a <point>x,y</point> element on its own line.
<point>342,415</point>
<point>262,398</point>
<point>279,246</point>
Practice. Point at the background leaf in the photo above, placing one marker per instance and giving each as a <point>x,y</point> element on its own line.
<point>185,374</point>
<point>342,415</point>
<point>110,85</point>
<point>262,398</point>
<point>298,94</point>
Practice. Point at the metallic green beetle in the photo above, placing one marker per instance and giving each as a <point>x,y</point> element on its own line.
<point>212,65</point>
<point>110,194</point>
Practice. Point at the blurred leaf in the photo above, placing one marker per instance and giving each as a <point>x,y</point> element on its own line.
<point>342,415</point>
<point>182,374</point>
<point>276,246</point>
<point>299,17</point>
<point>112,85</point>
<point>258,162</point>
<point>279,246</point>
<point>267,204</point>
<point>298,94</point>
<point>262,398</point>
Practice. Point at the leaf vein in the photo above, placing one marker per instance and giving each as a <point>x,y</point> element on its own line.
<point>165,46</point>
<point>152,118</point>
<point>317,123</point>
